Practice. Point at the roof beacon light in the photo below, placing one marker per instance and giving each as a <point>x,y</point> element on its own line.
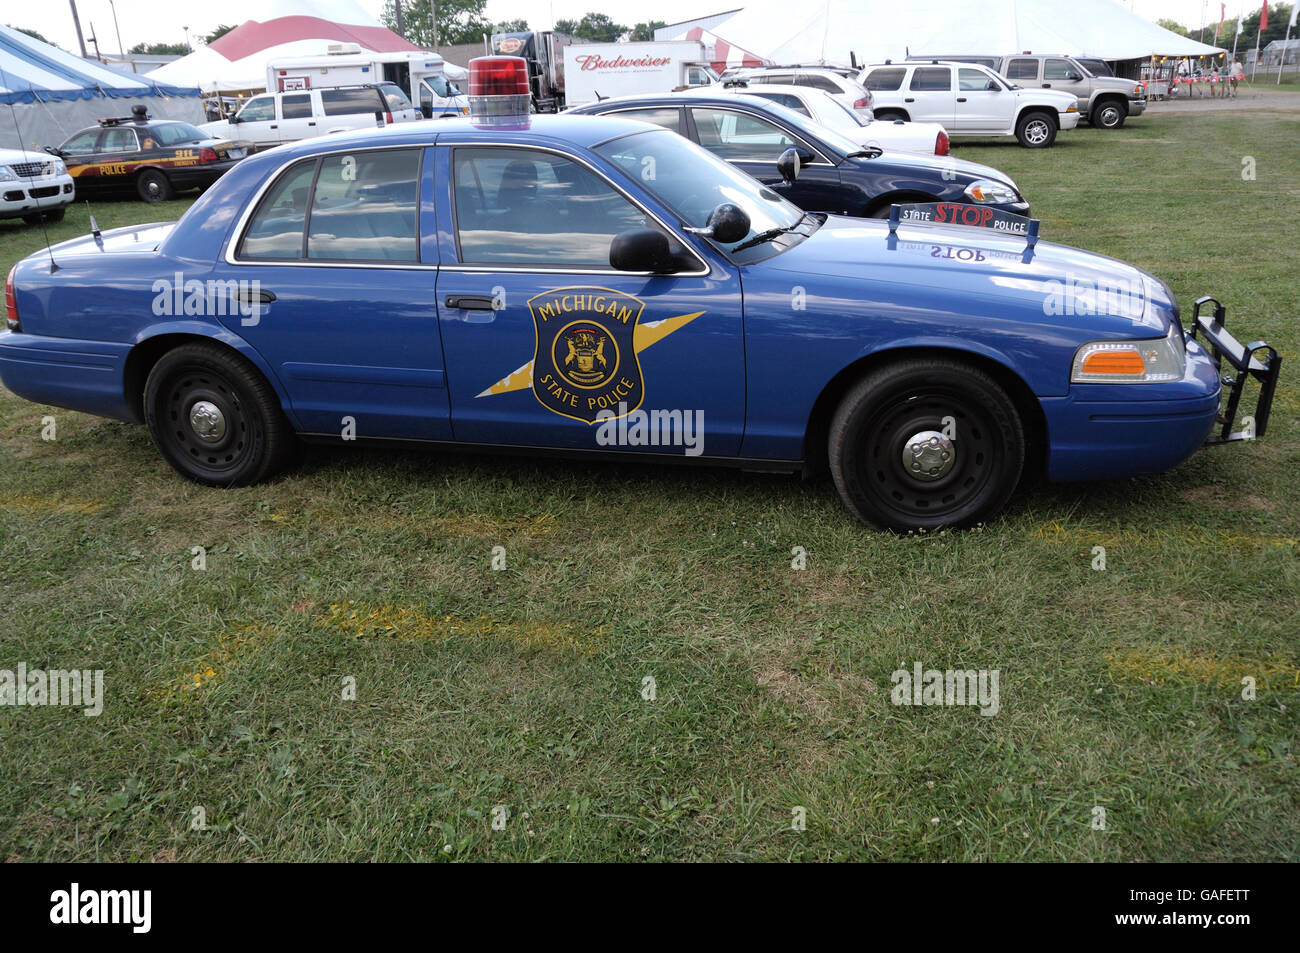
<point>499,93</point>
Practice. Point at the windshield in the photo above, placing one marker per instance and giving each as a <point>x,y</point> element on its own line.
<point>693,182</point>
<point>171,133</point>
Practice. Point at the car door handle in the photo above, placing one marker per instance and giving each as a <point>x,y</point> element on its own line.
<point>1047,86</point>
<point>312,123</point>
<point>246,296</point>
<point>961,99</point>
<point>470,302</point>
<point>274,126</point>
<point>910,99</point>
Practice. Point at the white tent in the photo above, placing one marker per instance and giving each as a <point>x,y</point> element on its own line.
<point>828,31</point>
<point>47,94</point>
<point>237,61</point>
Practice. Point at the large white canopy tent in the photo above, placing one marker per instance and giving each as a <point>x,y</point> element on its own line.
<point>237,61</point>
<point>870,31</point>
<point>47,94</point>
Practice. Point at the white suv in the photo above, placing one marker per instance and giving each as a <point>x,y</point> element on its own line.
<point>970,100</point>
<point>33,186</point>
<point>844,88</point>
<point>274,118</point>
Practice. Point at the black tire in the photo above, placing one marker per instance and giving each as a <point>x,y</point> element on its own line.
<point>50,215</point>
<point>889,115</point>
<point>152,186</point>
<point>1036,129</point>
<point>255,439</point>
<point>1109,114</point>
<point>890,409</point>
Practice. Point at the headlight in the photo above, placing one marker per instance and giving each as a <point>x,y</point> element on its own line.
<point>988,192</point>
<point>60,168</point>
<point>1154,361</point>
<point>7,174</point>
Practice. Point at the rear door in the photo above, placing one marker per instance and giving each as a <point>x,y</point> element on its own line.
<point>259,121</point>
<point>929,96</point>
<point>351,107</point>
<point>297,117</point>
<point>349,322</point>
<point>1023,71</point>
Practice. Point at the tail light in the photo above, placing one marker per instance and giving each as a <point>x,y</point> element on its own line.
<point>862,103</point>
<point>941,143</point>
<point>11,302</point>
<point>388,118</point>
<point>208,154</point>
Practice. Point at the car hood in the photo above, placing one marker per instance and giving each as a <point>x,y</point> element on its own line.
<point>11,156</point>
<point>949,164</point>
<point>1065,100</point>
<point>977,271</point>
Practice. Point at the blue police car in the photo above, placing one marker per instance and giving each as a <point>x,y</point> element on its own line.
<point>833,173</point>
<point>602,286</point>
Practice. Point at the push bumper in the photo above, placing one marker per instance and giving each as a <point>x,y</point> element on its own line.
<point>1256,361</point>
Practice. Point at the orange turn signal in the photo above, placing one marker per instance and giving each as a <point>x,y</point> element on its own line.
<point>1114,362</point>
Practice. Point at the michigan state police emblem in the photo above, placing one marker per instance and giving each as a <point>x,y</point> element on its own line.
<point>585,360</point>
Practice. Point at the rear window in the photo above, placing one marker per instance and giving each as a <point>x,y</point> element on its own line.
<point>817,81</point>
<point>395,98</point>
<point>345,102</point>
<point>786,100</point>
<point>1022,69</point>
<point>886,80</point>
<point>932,78</point>
<point>297,106</point>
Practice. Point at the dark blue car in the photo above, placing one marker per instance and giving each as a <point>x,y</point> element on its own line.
<point>835,175</point>
<point>601,286</point>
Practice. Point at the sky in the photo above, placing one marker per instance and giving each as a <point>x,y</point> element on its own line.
<point>164,21</point>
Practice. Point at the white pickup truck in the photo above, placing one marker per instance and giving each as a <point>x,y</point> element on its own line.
<point>969,100</point>
<point>272,119</point>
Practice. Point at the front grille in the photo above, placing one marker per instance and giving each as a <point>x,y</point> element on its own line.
<point>44,192</point>
<point>33,170</point>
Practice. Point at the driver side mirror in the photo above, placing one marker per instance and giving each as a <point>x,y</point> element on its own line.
<point>643,249</point>
<point>727,223</point>
<point>236,118</point>
<point>993,87</point>
<point>54,151</point>
<point>789,163</point>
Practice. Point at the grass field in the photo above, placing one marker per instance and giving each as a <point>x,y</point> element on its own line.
<point>1119,689</point>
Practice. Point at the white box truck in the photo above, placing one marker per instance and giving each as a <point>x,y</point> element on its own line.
<point>594,71</point>
<point>422,76</point>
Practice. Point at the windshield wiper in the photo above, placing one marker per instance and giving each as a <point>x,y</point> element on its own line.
<point>769,234</point>
<point>869,153</point>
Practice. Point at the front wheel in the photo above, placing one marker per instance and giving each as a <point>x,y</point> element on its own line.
<point>214,418</point>
<point>1109,115</point>
<point>924,444</point>
<point>1036,130</point>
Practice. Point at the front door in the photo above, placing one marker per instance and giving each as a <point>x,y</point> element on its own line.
<point>547,345</point>
<point>982,104</point>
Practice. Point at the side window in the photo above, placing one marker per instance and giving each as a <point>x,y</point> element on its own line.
<point>258,109</point>
<point>885,80</point>
<point>772,79</point>
<point>817,81</point>
<point>788,101</point>
<point>83,143</point>
<point>739,136</point>
<point>365,207</point>
<point>394,98</point>
<point>669,117</point>
<point>275,232</point>
<point>932,79</point>
<point>1058,69</point>
<point>1022,68</point>
<point>972,80</point>
<point>346,102</point>
<point>297,106</point>
<point>119,140</point>
<point>520,206</point>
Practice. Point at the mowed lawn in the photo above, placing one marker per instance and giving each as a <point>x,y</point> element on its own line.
<point>523,688</point>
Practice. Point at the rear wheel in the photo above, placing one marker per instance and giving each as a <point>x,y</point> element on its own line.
<point>1036,130</point>
<point>214,418</point>
<point>153,186</point>
<point>924,444</point>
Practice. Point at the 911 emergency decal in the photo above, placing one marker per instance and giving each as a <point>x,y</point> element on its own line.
<point>585,356</point>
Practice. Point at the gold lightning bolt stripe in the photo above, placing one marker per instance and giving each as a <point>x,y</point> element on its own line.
<point>652,332</point>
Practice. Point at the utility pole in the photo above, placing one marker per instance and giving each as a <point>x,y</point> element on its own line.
<point>81,42</point>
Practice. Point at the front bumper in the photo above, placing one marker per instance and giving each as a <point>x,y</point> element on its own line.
<point>25,196</point>
<point>1069,120</point>
<point>1137,107</point>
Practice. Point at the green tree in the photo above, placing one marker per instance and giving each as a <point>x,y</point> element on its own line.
<point>510,26</point>
<point>1173,26</point>
<point>159,49</point>
<point>218,33</point>
<point>596,27</point>
<point>35,36</point>
<point>646,31</point>
<point>458,21</point>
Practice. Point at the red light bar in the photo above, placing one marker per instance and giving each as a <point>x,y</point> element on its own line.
<point>498,76</point>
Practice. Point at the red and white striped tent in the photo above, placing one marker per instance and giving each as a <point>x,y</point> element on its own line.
<point>724,55</point>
